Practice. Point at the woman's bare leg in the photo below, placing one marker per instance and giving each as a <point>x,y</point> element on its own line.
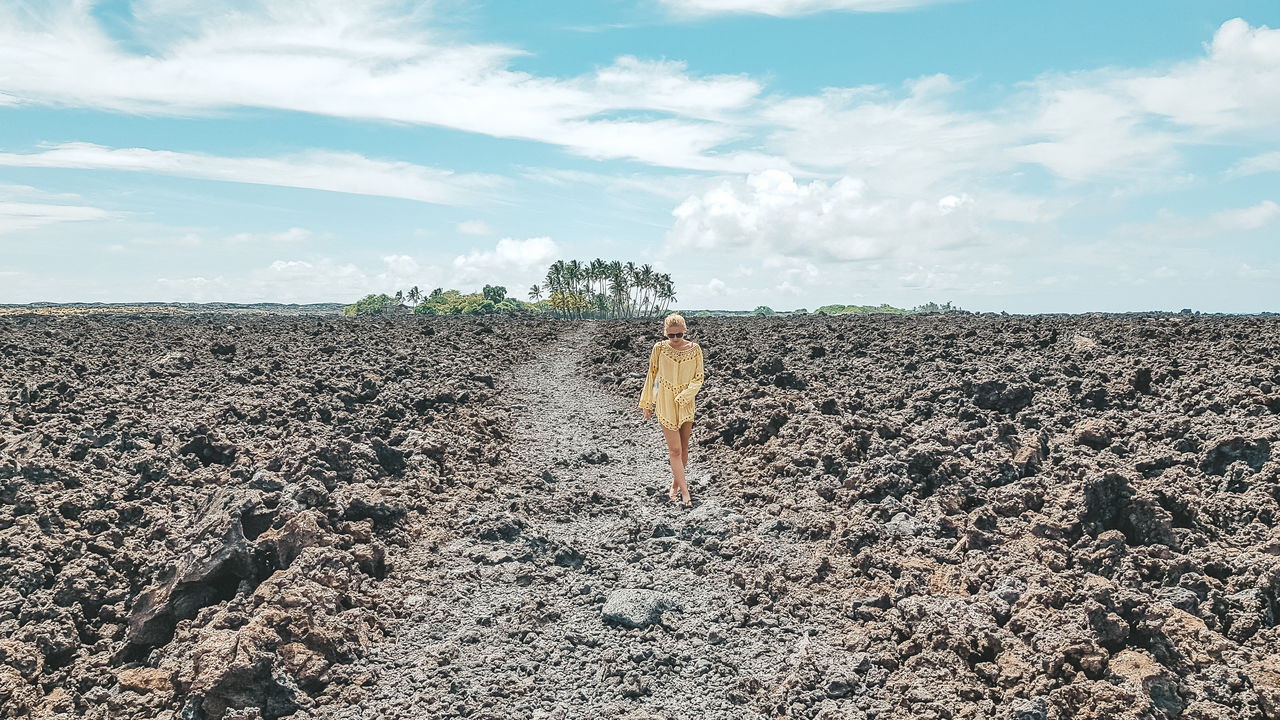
<point>685,430</point>
<point>675,453</point>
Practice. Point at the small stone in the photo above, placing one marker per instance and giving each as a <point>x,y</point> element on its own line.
<point>903,525</point>
<point>145,680</point>
<point>634,608</point>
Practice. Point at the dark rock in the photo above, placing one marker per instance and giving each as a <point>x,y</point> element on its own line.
<point>209,451</point>
<point>210,570</point>
<point>594,457</point>
<point>1254,453</point>
<point>1002,396</point>
<point>391,459</point>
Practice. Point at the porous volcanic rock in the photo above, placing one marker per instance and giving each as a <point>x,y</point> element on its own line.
<point>196,511</point>
<point>1010,517</point>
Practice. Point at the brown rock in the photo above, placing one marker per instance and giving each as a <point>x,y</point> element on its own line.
<point>285,543</point>
<point>145,680</point>
<point>1264,675</point>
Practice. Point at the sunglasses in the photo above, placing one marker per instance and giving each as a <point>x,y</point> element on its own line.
<point>675,335</point>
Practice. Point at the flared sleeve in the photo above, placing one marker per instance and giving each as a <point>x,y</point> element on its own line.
<point>684,397</point>
<point>646,395</point>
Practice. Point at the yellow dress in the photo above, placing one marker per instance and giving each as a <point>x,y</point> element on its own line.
<point>679,377</point>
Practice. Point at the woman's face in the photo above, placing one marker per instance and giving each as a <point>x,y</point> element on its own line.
<point>673,328</point>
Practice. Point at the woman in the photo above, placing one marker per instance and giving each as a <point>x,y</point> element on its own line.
<point>675,365</point>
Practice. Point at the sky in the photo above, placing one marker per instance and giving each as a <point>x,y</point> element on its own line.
<point>1002,155</point>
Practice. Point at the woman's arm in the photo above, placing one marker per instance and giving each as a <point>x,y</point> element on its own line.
<point>646,395</point>
<point>686,395</point>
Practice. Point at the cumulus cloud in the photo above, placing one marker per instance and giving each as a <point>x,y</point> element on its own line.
<point>783,8</point>
<point>316,170</point>
<point>511,261</point>
<point>1113,122</point>
<point>843,221</point>
<point>1235,86</point>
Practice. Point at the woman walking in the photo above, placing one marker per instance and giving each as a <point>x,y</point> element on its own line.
<point>675,366</point>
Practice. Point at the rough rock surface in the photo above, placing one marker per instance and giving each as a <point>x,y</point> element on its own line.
<point>1011,517</point>
<point>926,517</point>
<point>634,607</point>
<point>197,513</point>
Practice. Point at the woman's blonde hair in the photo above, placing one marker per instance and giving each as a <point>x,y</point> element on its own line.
<point>674,319</point>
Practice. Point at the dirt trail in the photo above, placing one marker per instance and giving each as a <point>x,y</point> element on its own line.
<point>505,615</point>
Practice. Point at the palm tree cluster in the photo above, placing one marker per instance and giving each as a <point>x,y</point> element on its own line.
<point>604,289</point>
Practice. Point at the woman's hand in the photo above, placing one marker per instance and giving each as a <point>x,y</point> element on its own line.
<point>648,413</point>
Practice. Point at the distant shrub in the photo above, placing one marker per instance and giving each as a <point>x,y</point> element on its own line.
<point>763,310</point>
<point>838,309</point>
<point>931,306</point>
<point>371,305</point>
<point>453,302</point>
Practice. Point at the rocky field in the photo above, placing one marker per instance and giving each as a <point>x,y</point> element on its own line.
<point>196,515</point>
<point>894,517</point>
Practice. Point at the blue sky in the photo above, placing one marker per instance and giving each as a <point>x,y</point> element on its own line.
<point>1029,157</point>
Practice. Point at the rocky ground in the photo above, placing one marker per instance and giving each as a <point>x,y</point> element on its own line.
<point>197,515</point>
<point>932,516</point>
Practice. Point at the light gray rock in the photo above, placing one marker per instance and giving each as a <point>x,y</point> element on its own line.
<point>634,607</point>
<point>903,525</point>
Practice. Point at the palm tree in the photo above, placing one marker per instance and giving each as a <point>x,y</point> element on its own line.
<point>666,291</point>
<point>617,287</point>
<point>574,274</point>
<point>646,286</point>
<point>631,274</point>
<point>535,293</point>
<point>414,295</point>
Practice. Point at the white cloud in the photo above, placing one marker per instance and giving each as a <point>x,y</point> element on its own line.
<point>1169,226</point>
<point>1250,218</point>
<point>316,170</point>
<point>716,288</point>
<point>1264,163</point>
<point>474,227</point>
<point>1235,86</point>
<point>184,240</point>
<point>900,143</point>
<point>1089,132</point>
<point>26,208</point>
<point>783,8</point>
<point>513,262</point>
<point>361,60</point>
<point>771,213</point>
<point>1114,122</point>
<point>284,237</point>
<point>300,281</point>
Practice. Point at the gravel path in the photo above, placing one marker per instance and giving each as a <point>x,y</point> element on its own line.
<point>504,613</point>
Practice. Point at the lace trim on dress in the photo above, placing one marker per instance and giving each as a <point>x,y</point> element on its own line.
<point>683,418</point>
<point>678,355</point>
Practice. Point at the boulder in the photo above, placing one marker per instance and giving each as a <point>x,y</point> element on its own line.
<point>210,570</point>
